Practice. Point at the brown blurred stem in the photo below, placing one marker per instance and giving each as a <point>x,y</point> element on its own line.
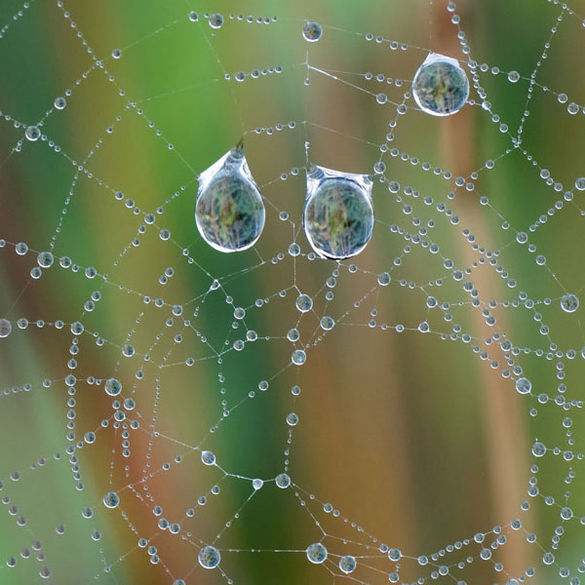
<point>505,433</point>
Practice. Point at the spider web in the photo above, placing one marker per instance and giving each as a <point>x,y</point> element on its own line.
<point>433,433</point>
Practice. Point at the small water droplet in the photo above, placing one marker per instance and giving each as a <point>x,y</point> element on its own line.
<point>312,31</point>
<point>209,557</point>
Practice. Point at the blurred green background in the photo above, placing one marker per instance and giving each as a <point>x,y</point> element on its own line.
<point>417,441</point>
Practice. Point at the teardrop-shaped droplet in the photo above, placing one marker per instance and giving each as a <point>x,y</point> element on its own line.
<point>229,211</point>
<point>440,86</point>
<point>338,216</point>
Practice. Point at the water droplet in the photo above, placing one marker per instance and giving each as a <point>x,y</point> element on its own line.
<point>193,16</point>
<point>381,98</point>
<point>32,133</point>
<point>60,103</point>
<point>215,20</point>
<point>5,328</point>
<point>128,350</point>
<point>45,259</point>
<point>573,108</point>
<point>440,86</point>
<point>111,500</point>
<point>229,211</point>
<point>384,279</point>
<point>338,215</point>
<point>569,303</point>
<point>282,480</point>
<point>116,53</point>
<point>538,449</point>
<point>523,385</point>
<point>513,76</point>
<point>327,323</point>
<point>580,184</point>
<point>316,553</point>
<point>257,484</point>
<point>304,303</point>
<point>312,31</point>
<point>113,387</point>
<point>292,419</point>
<point>209,557</point>
<point>548,558</point>
<point>298,357</point>
<point>208,457</point>
<point>347,564</point>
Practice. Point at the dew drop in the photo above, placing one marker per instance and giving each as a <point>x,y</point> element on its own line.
<point>513,76</point>
<point>298,357</point>
<point>32,133</point>
<point>208,457</point>
<point>45,259</point>
<point>523,385</point>
<point>5,328</point>
<point>60,103</point>
<point>229,211</point>
<point>347,564</point>
<point>327,323</point>
<point>209,557</point>
<point>338,215</point>
<point>111,500</point>
<point>304,303</point>
<point>580,184</point>
<point>316,553</point>
<point>538,449</point>
<point>569,303</point>
<point>215,21</point>
<point>312,31</point>
<point>282,480</point>
<point>113,387</point>
<point>440,86</point>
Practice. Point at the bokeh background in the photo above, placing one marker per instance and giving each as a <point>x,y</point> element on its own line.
<point>417,439</point>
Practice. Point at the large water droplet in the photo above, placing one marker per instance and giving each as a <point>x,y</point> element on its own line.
<point>440,86</point>
<point>229,211</point>
<point>338,216</point>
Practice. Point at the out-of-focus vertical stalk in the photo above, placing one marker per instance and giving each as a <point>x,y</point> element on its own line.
<point>504,424</point>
